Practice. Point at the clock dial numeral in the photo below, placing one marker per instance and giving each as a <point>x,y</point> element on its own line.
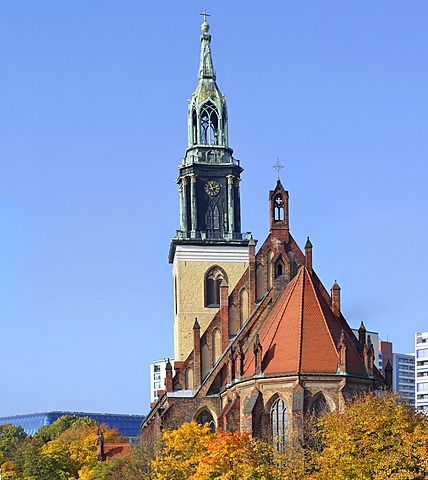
<point>212,188</point>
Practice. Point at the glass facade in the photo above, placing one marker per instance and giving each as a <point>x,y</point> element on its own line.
<point>128,425</point>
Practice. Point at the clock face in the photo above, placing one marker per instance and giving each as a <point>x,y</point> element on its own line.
<point>212,188</point>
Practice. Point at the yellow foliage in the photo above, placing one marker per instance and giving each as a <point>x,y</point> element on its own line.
<point>181,452</point>
<point>377,437</point>
<point>77,447</point>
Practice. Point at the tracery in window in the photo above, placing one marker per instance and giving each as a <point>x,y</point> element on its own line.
<point>278,208</point>
<point>206,417</point>
<point>279,422</point>
<point>209,124</point>
<point>213,280</point>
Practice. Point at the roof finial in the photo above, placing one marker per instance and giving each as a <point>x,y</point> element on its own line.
<point>205,27</point>
<point>278,167</point>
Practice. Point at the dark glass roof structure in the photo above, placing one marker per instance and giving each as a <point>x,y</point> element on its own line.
<point>128,425</point>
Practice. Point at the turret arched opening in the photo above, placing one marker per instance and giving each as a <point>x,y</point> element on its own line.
<point>209,124</point>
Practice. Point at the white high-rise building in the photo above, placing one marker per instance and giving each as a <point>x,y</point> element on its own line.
<point>157,377</point>
<point>421,353</point>
<point>403,376</point>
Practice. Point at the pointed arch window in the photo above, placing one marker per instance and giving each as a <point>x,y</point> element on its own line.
<point>194,127</point>
<point>206,417</point>
<point>279,268</point>
<point>278,208</point>
<point>279,422</point>
<point>319,405</point>
<point>213,280</point>
<point>209,124</point>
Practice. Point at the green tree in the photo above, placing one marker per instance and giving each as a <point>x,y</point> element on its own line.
<point>50,432</point>
<point>11,438</point>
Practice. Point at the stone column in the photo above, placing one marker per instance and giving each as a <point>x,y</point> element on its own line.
<point>231,203</point>
<point>193,201</point>
<point>184,206</point>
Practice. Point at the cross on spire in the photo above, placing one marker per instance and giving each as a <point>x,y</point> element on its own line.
<point>278,167</point>
<point>205,14</point>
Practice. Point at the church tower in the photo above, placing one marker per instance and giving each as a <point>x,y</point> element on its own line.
<point>209,249</point>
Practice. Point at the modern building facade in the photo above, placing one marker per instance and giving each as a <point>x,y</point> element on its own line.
<point>403,376</point>
<point>421,354</point>
<point>128,425</point>
<point>157,377</point>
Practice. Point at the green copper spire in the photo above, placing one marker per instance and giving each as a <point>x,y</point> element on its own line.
<point>206,68</point>
<point>209,176</point>
<point>207,114</point>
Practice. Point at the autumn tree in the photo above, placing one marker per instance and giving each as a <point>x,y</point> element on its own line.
<point>75,447</point>
<point>377,437</point>
<point>181,453</point>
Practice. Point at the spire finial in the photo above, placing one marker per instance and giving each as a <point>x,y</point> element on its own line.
<point>278,167</point>
<point>205,27</point>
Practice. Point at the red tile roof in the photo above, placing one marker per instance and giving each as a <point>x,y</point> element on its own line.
<point>300,334</point>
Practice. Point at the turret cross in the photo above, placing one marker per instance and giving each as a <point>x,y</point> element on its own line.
<point>278,167</point>
<point>205,14</point>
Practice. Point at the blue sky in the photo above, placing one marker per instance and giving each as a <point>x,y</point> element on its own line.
<point>92,129</point>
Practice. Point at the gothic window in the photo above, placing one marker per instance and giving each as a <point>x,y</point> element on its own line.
<point>209,124</point>
<point>213,280</point>
<point>279,422</point>
<point>244,305</point>
<point>233,321</point>
<point>279,269</point>
<point>205,360</point>
<point>194,127</point>
<point>216,218</point>
<point>260,282</point>
<point>278,208</point>
<point>319,406</point>
<point>189,378</point>
<point>206,417</point>
<point>269,268</point>
<point>212,219</point>
<point>216,344</point>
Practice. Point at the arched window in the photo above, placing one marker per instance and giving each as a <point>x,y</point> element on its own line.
<point>278,208</point>
<point>260,282</point>
<point>189,378</point>
<point>279,269</point>
<point>194,127</point>
<point>205,360</point>
<point>244,305</point>
<point>209,124</point>
<point>206,417</point>
<point>319,405</point>
<point>269,268</point>
<point>233,321</point>
<point>213,280</point>
<point>279,422</point>
<point>216,344</point>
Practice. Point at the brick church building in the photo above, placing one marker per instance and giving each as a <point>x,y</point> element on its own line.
<point>259,342</point>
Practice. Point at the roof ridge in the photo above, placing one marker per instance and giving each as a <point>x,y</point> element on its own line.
<point>291,287</point>
<point>323,315</point>
<point>302,296</point>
